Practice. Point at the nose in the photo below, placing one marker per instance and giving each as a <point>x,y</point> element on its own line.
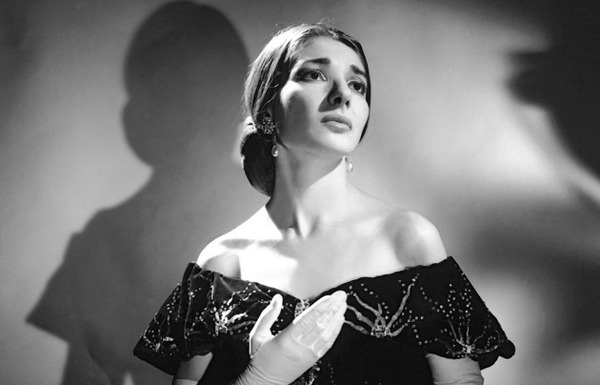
<point>339,94</point>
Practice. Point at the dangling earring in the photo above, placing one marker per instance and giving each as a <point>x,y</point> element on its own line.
<point>275,150</point>
<point>349,166</point>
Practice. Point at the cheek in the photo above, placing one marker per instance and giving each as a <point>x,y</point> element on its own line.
<point>296,106</point>
<point>294,111</point>
<point>363,114</point>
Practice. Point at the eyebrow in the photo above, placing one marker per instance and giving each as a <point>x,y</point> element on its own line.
<point>358,71</point>
<point>325,61</point>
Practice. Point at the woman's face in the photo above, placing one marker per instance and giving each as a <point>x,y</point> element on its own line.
<point>322,107</point>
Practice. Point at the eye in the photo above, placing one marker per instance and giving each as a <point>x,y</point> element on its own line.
<point>310,74</point>
<point>358,86</point>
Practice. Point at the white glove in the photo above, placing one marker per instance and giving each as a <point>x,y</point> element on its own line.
<point>281,359</point>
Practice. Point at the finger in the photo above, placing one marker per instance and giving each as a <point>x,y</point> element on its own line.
<point>318,315</point>
<point>332,330</point>
<point>329,336</point>
<point>268,316</point>
<point>262,328</point>
<point>319,308</point>
<point>325,328</point>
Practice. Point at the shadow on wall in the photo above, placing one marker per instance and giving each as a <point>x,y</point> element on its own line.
<point>565,81</point>
<point>183,73</point>
<point>16,58</point>
<point>553,247</point>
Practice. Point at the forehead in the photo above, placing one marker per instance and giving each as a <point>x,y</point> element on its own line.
<point>326,47</point>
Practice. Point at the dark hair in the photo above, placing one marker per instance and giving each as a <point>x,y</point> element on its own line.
<point>267,75</point>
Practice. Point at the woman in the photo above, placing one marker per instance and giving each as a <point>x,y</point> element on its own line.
<point>324,284</point>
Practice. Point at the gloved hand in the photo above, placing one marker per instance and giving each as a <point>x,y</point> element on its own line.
<point>281,359</point>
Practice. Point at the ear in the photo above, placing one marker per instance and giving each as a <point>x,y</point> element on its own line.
<point>273,109</point>
<point>266,113</point>
<point>269,112</point>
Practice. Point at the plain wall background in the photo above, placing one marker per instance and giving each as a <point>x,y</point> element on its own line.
<point>118,163</point>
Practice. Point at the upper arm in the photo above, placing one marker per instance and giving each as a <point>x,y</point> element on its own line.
<point>192,370</point>
<point>418,240</point>
<point>218,258</point>
<point>448,371</point>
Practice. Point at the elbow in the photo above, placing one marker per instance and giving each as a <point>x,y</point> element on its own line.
<point>181,381</point>
<point>445,371</point>
<point>470,379</point>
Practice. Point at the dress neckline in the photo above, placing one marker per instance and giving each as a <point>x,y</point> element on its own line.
<point>394,274</point>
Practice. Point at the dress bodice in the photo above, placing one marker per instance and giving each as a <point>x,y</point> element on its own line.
<point>392,321</point>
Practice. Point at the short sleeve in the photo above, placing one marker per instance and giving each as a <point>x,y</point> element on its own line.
<point>454,321</point>
<point>183,326</point>
<point>206,312</point>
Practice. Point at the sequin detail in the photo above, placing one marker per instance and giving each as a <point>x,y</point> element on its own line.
<point>302,305</point>
<point>428,309</point>
<point>377,322</point>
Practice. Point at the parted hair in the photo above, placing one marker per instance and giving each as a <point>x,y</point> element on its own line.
<point>267,75</point>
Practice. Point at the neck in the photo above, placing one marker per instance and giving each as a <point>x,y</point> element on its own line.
<point>308,195</point>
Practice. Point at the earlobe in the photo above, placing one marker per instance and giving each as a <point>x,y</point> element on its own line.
<point>268,110</point>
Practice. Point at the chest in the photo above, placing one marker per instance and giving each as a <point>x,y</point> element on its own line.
<point>306,268</point>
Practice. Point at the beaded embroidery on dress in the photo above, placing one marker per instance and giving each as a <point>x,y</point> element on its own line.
<point>392,322</point>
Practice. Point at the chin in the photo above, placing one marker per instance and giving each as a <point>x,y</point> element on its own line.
<point>338,151</point>
<point>329,145</point>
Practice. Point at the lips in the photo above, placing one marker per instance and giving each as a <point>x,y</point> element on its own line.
<point>338,121</point>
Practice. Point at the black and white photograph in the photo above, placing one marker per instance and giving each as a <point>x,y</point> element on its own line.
<point>278,192</point>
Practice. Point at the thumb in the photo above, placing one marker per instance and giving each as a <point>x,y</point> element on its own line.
<point>262,328</point>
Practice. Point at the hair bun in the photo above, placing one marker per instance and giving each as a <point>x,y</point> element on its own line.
<point>257,161</point>
<point>249,125</point>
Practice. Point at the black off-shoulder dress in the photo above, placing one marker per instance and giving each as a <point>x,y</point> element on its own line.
<point>392,322</point>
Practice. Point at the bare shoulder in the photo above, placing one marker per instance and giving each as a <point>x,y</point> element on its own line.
<point>220,257</point>
<point>415,238</point>
<point>223,253</point>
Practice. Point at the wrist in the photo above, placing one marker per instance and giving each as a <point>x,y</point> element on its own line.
<point>252,375</point>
